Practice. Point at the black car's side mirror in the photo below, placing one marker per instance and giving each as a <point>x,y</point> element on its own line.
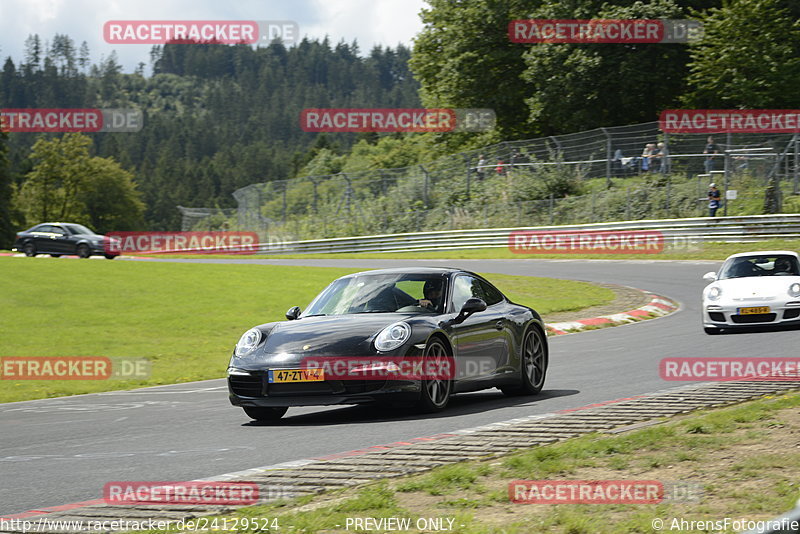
<point>473,305</point>
<point>293,313</point>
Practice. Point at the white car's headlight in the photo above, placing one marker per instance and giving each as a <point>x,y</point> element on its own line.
<point>392,336</point>
<point>714,293</point>
<point>248,342</point>
<point>794,290</point>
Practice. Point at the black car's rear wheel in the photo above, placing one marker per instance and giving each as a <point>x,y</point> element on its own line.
<point>264,414</point>
<point>435,393</point>
<point>533,365</point>
<point>83,251</point>
<point>29,249</point>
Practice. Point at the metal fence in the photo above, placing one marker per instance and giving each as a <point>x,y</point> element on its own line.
<point>493,186</point>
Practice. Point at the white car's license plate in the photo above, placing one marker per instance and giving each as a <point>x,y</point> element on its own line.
<point>753,310</point>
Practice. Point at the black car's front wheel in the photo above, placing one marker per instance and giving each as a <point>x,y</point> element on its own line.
<point>29,249</point>
<point>264,414</point>
<point>435,392</point>
<point>83,251</point>
<point>533,365</point>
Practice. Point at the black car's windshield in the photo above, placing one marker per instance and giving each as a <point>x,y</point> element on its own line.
<point>370,293</point>
<point>760,265</point>
<point>78,229</point>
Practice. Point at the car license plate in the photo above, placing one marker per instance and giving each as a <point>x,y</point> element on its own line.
<point>281,376</point>
<point>753,310</point>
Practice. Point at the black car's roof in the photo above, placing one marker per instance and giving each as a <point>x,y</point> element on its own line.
<point>412,270</point>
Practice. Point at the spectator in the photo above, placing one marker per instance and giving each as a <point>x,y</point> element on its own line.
<point>662,157</point>
<point>710,151</point>
<point>480,170</point>
<point>713,199</point>
<point>647,155</point>
<point>501,167</point>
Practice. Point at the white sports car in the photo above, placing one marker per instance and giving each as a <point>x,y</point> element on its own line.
<point>753,289</point>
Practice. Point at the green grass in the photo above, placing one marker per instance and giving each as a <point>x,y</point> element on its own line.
<point>183,317</point>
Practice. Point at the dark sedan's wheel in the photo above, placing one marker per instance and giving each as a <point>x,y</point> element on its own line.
<point>55,255</point>
<point>264,414</point>
<point>110,256</point>
<point>533,365</point>
<point>83,251</point>
<point>435,393</point>
<point>29,249</point>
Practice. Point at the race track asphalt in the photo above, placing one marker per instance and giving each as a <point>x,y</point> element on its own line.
<point>59,451</point>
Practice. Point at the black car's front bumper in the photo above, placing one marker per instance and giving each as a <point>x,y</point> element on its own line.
<point>252,388</point>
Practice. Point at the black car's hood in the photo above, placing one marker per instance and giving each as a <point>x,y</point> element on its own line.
<point>287,343</point>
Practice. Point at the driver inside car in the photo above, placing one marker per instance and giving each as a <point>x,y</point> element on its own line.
<point>783,266</point>
<point>432,291</point>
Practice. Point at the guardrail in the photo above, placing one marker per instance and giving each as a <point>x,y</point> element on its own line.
<point>743,229</point>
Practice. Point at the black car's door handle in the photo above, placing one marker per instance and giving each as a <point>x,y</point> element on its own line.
<point>499,325</point>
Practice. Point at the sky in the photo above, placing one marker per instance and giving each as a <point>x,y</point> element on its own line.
<point>370,22</point>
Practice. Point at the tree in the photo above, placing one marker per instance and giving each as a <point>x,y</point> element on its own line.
<point>576,87</point>
<point>6,223</point>
<point>463,58</point>
<point>749,57</point>
<point>66,183</point>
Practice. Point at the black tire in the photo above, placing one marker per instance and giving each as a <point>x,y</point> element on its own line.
<point>264,414</point>
<point>712,331</point>
<point>29,249</point>
<point>435,394</point>
<point>55,255</point>
<point>83,251</point>
<point>110,256</point>
<point>532,365</point>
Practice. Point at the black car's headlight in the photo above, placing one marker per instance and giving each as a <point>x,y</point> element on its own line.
<point>247,343</point>
<point>392,336</point>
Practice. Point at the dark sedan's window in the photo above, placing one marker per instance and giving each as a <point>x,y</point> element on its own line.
<point>79,229</point>
<point>44,228</point>
<point>59,230</point>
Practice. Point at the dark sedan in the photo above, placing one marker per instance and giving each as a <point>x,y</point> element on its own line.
<point>411,336</point>
<point>59,239</point>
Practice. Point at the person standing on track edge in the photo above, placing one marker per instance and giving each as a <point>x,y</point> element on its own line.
<point>713,199</point>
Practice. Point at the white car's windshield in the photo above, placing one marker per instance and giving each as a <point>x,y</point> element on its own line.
<point>405,293</point>
<point>769,265</point>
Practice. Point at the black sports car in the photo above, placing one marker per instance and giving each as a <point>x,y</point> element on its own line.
<point>391,335</point>
<point>58,239</point>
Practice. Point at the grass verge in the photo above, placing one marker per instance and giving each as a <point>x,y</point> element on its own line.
<point>741,462</point>
<point>184,318</point>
